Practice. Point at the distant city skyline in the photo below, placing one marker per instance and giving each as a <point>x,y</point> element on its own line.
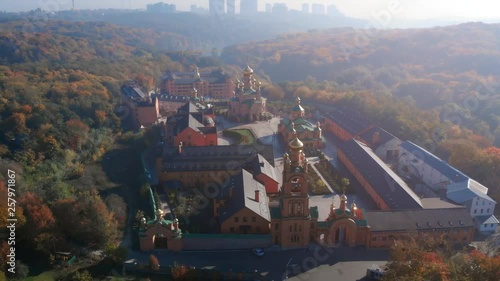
<point>401,9</point>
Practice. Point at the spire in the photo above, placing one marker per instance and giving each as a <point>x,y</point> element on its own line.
<point>197,72</point>
<point>354,208</point>
<point>297,101</point>
<point>343,202</point>
<point>247,78</point>
<point>331,215</point>
<point>194,93</point>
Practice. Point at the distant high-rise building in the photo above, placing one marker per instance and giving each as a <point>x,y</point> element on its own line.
<point>269,7</point>
<point>305,8</point>
<point>161,7</point>
<point>216,7</point>
<point>198,10</point>
<point>280,8</point>
<point>332,10</point>
<point>231,7</point>
<point>249,6</point>
<point>318,9</point>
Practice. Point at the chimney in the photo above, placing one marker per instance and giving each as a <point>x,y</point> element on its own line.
<point>257,195</point>
<point>180,148</point>
<point>376,138</point>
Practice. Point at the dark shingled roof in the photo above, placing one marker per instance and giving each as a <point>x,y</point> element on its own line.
<point>189,107</point>
<point>384,136</point>
<point>243,195</point>
<point>224,157</point>
<point>188,121</point>
<point>349,120</point>
<point>389,186</point>
<point>423,219</point>
<point>262,166</point>
<point>132,91</point>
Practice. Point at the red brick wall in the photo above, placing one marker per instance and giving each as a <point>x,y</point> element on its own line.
<point>270,184</point>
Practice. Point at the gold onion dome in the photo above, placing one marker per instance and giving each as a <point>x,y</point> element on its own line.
<point>353,206</point>
<point>296,143</point>
<point>248,70</point>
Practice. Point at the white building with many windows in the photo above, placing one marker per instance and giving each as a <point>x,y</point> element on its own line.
<point>442,177</point>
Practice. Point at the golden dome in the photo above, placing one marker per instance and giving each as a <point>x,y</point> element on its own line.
<point>353,206</point>
<point>296,143</point>
<point>248,70</point>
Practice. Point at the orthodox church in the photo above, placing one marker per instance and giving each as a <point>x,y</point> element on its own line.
<point>247,103</point>
<point>310,134</point>
<point>295,224</point>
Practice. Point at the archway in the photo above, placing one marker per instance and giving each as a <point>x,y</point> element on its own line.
<point>160,241</point>
<point>342,233</point>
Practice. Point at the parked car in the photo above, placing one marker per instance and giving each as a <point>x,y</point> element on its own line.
<point>258,252</point>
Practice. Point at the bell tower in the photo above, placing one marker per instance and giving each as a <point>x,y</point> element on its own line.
<point>294,199</point>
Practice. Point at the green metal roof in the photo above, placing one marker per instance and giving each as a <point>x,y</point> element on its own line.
<point>275,213</point>
<point>314,212</point>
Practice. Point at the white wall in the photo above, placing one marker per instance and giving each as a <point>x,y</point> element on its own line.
<point>482,207</point>
<point>393,144</point>
<point>422,170</point>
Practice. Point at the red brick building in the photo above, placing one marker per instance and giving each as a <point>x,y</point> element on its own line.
<point>192,125</point>
<point>384,186</point>
<point>141,109</point>
<point>345,124</point>
<point>215,84</point>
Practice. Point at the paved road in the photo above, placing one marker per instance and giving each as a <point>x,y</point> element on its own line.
<point>315,263</point>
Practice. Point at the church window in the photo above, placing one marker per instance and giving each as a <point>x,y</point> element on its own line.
<point>295,227</point>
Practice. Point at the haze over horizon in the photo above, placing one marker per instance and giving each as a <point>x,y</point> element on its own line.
<point>403,9</point>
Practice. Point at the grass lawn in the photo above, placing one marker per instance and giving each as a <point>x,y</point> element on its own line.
<point>46,276</point>
<point>241,136</point>
<point>316,185</point>
<point>329,177</point>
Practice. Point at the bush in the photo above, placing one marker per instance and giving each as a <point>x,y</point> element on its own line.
<point>154,264</point>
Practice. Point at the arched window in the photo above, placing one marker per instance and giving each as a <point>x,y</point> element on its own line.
<point>295,185</point>
<point>299,208</point>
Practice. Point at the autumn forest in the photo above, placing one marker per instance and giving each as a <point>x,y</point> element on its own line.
<point>60,88</point>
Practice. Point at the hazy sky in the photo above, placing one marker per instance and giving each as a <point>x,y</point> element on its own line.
<point>366,9</point>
